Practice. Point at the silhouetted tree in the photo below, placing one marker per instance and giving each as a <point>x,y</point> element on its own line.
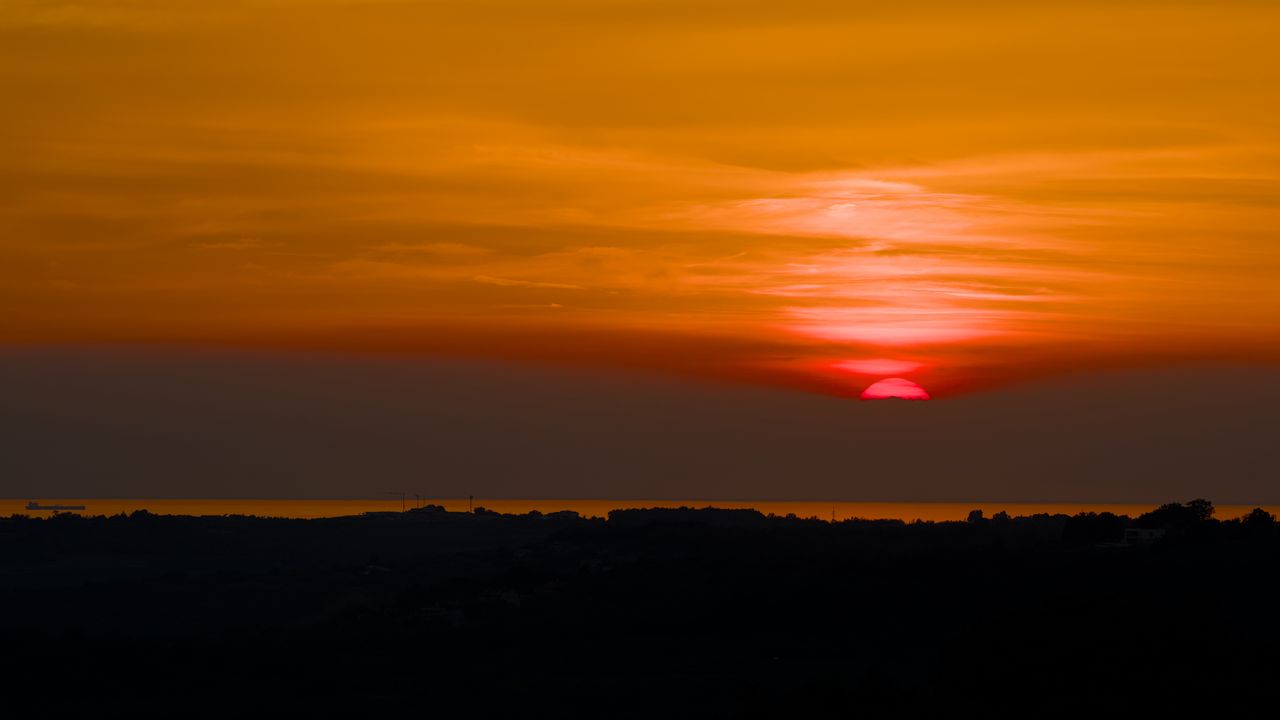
<point>1258,517</point>
<point>1178,516</point>
<point>1258,525</point>
<point>1200,509</point>
<point>1090,528</point>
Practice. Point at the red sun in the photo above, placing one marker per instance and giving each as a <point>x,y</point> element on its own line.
<point>894,388</point>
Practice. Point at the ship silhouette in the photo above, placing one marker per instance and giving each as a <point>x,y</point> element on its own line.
<point>35,505</point>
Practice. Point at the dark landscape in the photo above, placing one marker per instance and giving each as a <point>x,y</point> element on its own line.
<point>687,613</point>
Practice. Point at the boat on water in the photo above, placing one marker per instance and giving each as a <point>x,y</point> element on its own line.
<point>33,505</point>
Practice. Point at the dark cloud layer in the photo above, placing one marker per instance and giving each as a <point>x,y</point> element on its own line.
<point>95,422</point>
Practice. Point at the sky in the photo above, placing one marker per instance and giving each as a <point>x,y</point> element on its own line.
<point>833,198</point>
<point>965,195</point>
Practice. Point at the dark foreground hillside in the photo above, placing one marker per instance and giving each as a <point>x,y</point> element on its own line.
<point>678,613</point>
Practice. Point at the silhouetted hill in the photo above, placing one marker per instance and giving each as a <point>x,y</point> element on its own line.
<point>675,612</point>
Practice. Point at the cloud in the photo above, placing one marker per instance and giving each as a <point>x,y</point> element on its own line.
<point>446,249</point>
<point>508,282</point>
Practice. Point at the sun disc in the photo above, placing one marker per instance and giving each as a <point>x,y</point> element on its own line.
<point>899,388</point>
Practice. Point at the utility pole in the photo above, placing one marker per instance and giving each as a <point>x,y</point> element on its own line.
<point>471,502</point>
<point>401,493</point>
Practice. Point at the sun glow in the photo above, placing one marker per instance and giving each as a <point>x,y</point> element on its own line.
<point>878,366</point>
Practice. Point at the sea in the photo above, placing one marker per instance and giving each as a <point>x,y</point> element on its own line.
<point>324,508</point>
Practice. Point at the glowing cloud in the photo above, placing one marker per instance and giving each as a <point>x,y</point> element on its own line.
<point>878,366</point>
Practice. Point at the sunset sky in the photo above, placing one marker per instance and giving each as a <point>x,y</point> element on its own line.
<point>814,194</point>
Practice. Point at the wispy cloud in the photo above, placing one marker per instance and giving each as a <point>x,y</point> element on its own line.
<point>508,282</point>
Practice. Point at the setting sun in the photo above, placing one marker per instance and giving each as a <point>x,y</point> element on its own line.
<point>891,388</point>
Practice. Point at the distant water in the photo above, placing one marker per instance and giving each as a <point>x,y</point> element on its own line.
<point>298,508</point>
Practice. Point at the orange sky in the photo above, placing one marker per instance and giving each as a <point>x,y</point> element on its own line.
<point>964,193</point>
